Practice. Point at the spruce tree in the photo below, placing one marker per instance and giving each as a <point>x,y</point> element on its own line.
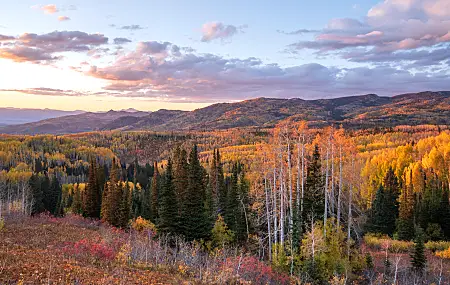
<point>418,258</point>
<point>92,194</point>
<point>36,194</point>
<point>390,205</point>
<point>314,202</point>
<point>231,211</point>
<point>168,210</point>
<point>405,222</point>
<point>195,224</point>
<point>54,199</point>
<point>180,169</point>
<point>47,197</point>
<point>154,204</point>
<point>124,204</point>
<point>375,223</point>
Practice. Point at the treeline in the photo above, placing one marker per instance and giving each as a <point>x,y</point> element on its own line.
<point>180,198</point>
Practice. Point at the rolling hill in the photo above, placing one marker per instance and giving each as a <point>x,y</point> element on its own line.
<point>15,116</point>
<point>353,111</point>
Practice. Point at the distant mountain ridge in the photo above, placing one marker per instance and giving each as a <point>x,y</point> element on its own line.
<point>15,116</point>
<point>353,111</point>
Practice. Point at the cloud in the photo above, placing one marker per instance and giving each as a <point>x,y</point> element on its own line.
<point>391,28</point>
<point>49,9</point>
<point>39,48</point>
<point>219,31</point>
<point>26,54</point>
<point>4,38</point>
<point>154,70</point>
<point>63,18</point>
<point>119,41</point>
<point>298,32</point>
<point>130,27</point>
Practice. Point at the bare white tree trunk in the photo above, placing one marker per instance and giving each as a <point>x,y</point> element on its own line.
<point>350,190</point>
<point>325,192</point>
<point>281,200</point>
<point>266,191</point>
<point>275,216</point>
<point>340,187</point>
<point>291,208</point>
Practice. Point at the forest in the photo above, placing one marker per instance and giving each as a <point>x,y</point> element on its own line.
<point>291,204</point>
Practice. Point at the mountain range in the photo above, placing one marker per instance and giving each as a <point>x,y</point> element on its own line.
<point>353,112</point>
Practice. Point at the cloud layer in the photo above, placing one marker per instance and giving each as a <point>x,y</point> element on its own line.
<point>163,69</point>
<point>394,31</point>
<point>30,47</point>
<point>219,31</point>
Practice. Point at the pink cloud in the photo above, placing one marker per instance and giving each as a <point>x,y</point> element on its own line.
<point>50,9</point>
<point>63,18</point>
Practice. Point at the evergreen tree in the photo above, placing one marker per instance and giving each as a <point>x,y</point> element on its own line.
<point>124,204</point>
<point>384,210</point>
<point>405,222</point>
<point>444,219</point>
<point>54,199</point>
<point>231,211</point>
<point>154,205</point>
<point>375,223</point>
<point>92,194</point>
<point>180,169</point>
<point>47,197</point>
<point>390,205</point>
<point>36,194</point>
<point>314,202</point>
<point>111,197</point>
<point>195,224</point>
<point>168,210</point>
<point>418,258</point>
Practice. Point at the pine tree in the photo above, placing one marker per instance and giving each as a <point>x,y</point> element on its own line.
<point>314,202</point>
<point>195,224</point>
<point>180,169</point>
<point>36,194</point>
<point>375,223</point>
<point>92,195</point>
<point>390,205</point>
<point>111,197</point>
<point>47,197</point>
<point>168,210</point>
<point>418,258</point>
<point>231,211</point>
<point>124,204</point>
<point>54,199</point>
<point>405,222</point>
<point>154,205</point>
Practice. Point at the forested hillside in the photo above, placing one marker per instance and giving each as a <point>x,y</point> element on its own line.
<point>353,112</point>
<point>300,204</point>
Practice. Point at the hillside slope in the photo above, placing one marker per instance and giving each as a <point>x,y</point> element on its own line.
<point>363,111</point>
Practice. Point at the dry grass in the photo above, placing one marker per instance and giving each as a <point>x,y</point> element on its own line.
<point>40,251</point>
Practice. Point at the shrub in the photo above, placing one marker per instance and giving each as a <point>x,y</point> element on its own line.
<point>377,242</point>
<point>141,225</point>
<point>2,224</point>
<point>437,245</point>
<point>443,253</point>
<point>98,251</point>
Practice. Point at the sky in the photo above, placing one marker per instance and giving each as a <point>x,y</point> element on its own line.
<point>149,55</point>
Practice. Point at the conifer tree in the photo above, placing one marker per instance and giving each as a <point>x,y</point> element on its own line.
<point>390,205</point>
<point>154,205</point>
<point>92,194</point>
<point>180,170</point>
<point>124,204</point>
<point>405,223</point>
<point>54,199</point>
<point>168,210</point>
<point>36,194</point>
<point>418,258</point>
<point>195,224</point>
<point>231,211</point>
<point>314,202</point>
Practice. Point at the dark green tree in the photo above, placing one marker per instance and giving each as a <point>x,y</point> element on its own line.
<point>418,258</point>
<point>405,222</point>
<point>36,194</point>
<point>154,204</point>
<point>314,202</point>
<point>194,221</point>
<point>168,210</point>
<point>92,193</point>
